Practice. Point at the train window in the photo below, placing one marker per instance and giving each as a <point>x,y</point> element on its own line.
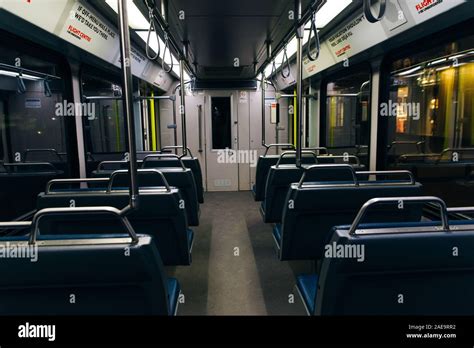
<point>31,101</point>
<point>33,126</point>
<point>105,127</point>
<point>347,115</point>
<point>430,114</point>
<point>221,123</point>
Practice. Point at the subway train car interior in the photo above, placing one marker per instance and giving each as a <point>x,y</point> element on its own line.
<point>307,158</point>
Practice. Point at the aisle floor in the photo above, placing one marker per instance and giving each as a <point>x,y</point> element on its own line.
<point>235,269</point>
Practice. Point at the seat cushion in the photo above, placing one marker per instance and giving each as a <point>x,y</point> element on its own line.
<point>307,285</point>
<point>173,294</point>
<point>277,233</point>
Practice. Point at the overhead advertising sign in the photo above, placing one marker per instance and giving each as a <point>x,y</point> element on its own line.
<point>139,62</point>
<point>421,10</point>
<point>353,37</point>
<point>90,32</point>
<point>44,14</point>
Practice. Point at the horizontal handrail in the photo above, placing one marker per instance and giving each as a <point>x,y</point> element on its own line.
<point>15,224</point>
<point>318,148</point>
<point>147,170</point>
<point>294,152</point>
<point>423,199</point>
<point>268,146</point>
<point>101,164</point>
<point>73,181</point>
<point>53,151</point>
<point>177,147</point>
<point>343,157</point>
<point>29,164</point>
<point>77,211</point>
<point>329,166</point>
<point>390,172</point>
<point>163,155</point>
<point>452,150</point>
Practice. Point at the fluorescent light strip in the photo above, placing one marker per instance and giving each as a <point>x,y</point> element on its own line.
<point>135,18</point>
<point>329,11</point>
<point>324,16</point>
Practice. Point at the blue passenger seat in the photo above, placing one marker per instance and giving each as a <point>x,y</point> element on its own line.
<point>408,268</point>
<point>311,209</point>
<point>90,274</point>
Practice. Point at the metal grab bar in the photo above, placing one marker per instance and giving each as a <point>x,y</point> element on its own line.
<point>423,199</point>
<point>453,150</point>
<point>77,211</point>
<point>294,152</point>
<point>318,148</point>
<point>147,170</point>
<point>390,172</point>
<point>177,147</point>
<point>460,209</point>
<point>72,181</point>
<point>357,160</point>
<point>53,151</point>
<point>329,166</point>
<point>49,166</point>
<point>164,155</point>
<point>267,147</point>
<point>15,224</point>
<point>368,11</point>
<point>101,164</point>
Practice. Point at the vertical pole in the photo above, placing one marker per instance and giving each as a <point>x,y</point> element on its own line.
<point>263,109</point>
<point>128,100</point>
<point>182,109</point>
<point>299,81</point>
<point>175,130</point>
<point>153,122</point>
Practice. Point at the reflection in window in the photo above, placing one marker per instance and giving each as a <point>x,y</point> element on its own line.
<point>431,132</point>
<point>347,115</point>
<point>434,104</point>
<point>105,133</point>
<point>28,104</point>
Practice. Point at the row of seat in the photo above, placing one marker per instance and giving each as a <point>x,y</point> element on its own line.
<point>311,208</point>
<point>84,274</point>
<point>372,261</point>
<point>175,172</point>
<point>408,268</point>
<point>86,265</point>
<point>161,211</point>
<point>309,157</point>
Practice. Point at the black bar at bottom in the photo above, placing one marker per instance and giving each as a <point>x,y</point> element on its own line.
<point>454,331</point>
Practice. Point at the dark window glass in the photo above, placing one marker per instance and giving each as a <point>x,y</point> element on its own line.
<point>348,115</point>
<point>33,125</point>
<point>28,109</point>
<point>431,119</point>
<point>105,132</point>
<point>221,123</point>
